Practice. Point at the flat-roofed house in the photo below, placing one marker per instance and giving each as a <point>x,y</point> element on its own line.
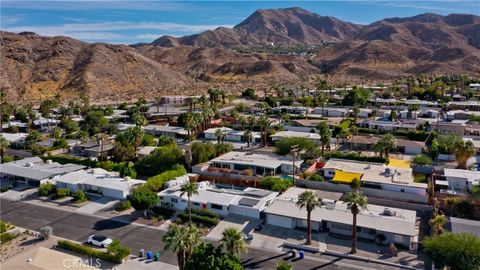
<point>396,225</point>
<point>462,180</point>
<point>461,225</point>
<point>447,128</point>
<point>230,134</point>
<point>376,175</point>
<point>171,131</point>
<point>295,134</point>
<point>249,202</point>
<point>34,171</point>
<point>366,143</point>
<point>98,181</point>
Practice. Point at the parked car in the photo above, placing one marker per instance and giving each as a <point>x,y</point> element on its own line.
<point>99,241</point>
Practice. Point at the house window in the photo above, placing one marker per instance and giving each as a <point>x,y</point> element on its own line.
<point>216,206</point>
<point>402,190</point>
<point>174,200</point>
<point>195,203</point>
<point>184,200</point>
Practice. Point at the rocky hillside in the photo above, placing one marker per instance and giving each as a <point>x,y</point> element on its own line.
<point>288,46</point>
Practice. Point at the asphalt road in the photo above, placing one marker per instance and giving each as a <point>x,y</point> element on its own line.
<point>79,227</point>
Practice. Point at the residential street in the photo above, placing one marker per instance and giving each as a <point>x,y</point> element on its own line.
<point>79,227</point>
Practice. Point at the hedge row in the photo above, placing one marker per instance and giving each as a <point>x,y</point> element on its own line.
<point>357,157</point>
<point>166,213</point>
<point>156,182</point>
<point>204,220</point>
<point>79,248</point>
<point>7,237</point>
<point>205,213</point>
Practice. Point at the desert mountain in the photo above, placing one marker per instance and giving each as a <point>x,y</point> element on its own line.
<point>288,46</point>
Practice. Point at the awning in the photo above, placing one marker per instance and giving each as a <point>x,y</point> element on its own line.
<point>345,177</point>
<point>398,163</point>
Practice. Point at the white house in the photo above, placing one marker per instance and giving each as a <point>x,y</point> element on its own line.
<point>98,181</point>
<point>249,202</point>
<point>295,134</point>
<point>331,112</point>
<point>172,131</point>
<point>374,175</point>
<point>461,179</point>
<point>230,134</point>
<point>34,171</point>
<point>15,139</point>
<point>375,223</point>
<point>260,164</point>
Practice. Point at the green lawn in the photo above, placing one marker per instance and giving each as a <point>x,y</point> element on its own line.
<point>420,178</point>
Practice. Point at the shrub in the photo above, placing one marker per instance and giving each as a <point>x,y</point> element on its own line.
<point>166,213</point>
<point>116,255</point>
<point>455,251</point>
<point>316,177</point>
<point>205,213</point>
<point>200,220</point>
<point>79,196</point>
<point>276,184</point>
<point>5,226</point>
<point>46,189</point>
<point>123,205</point>
<point>7,237</point>
<point>422,160</point>
<point>156,182</point>
<point>46,231</point>
<point>61,193</point>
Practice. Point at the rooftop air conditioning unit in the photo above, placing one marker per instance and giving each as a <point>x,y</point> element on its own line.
<point>49,161</point>
<point>389,212</point>
<point>29,164</point>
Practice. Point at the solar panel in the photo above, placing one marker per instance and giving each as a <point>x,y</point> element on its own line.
<point>248,202</point>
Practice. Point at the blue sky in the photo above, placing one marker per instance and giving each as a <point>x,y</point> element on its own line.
<point>130,22</point>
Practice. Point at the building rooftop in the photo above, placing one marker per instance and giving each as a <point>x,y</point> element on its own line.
<point>471,176</point>
<point>174,129</point>
<point>34,168</point>
<point>460,225</point>
<point>14,137</point>
<point>250,197</point>
<point>254,159</point>
<point>296,134</point>
<point>403,222</point>
<point>99,178</point>
<point>375,172</point>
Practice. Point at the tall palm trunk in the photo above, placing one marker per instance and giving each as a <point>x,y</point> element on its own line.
<point>189,209</point>
<point>354,229</point>
<point>309,228</point>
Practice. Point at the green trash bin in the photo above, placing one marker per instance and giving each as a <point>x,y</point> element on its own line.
<point>156,256</point>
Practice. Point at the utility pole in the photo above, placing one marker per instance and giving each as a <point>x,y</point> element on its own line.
<point>294,150</point>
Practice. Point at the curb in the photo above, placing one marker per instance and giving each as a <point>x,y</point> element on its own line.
<point>367,259</point>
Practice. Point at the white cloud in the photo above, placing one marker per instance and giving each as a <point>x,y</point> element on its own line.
<point>64,29</point>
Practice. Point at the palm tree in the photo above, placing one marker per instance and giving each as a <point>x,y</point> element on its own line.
<point>385,145</point>
<point>3,147</point>
<point>356,201</point>
<point>248,137</point>
<point>264,123</point>
<point>322,100</point>
<point>158,101</point>
<point>355,111</point>
<point>437,223</point>
<point>325,135</point>
<point>189,189</point>
<point>310,201</point>
<point>233,241</point>
<point>182,240</point>
<point>219,134</point>
<point>190,102</point>
<point>283,266</point>
<point>463,151</point>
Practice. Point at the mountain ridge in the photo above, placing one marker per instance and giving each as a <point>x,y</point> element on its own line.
<point>268,47</point>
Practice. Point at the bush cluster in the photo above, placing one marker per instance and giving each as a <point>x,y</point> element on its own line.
<point>7,237</point>
<point>123,205</point>
<point>200,217</point>
<point>46,189</point>
<point>79,196</point>
<point>358,157</point>
<point>156,182</point>
<point>61,193</point>
<point>115,254</point>
<point>166,213</point>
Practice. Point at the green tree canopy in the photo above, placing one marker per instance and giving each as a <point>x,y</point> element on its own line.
<point>143,198</point>
<point>207,257</point>
<point>456,251</point>
<point>276,184</point>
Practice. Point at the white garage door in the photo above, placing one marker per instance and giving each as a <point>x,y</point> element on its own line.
<point>280,221</point>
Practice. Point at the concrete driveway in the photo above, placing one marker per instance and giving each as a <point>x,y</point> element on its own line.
<point>241,223</point>
<point>97,205</point>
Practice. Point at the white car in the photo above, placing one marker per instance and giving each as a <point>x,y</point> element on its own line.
<point>99,241</point>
